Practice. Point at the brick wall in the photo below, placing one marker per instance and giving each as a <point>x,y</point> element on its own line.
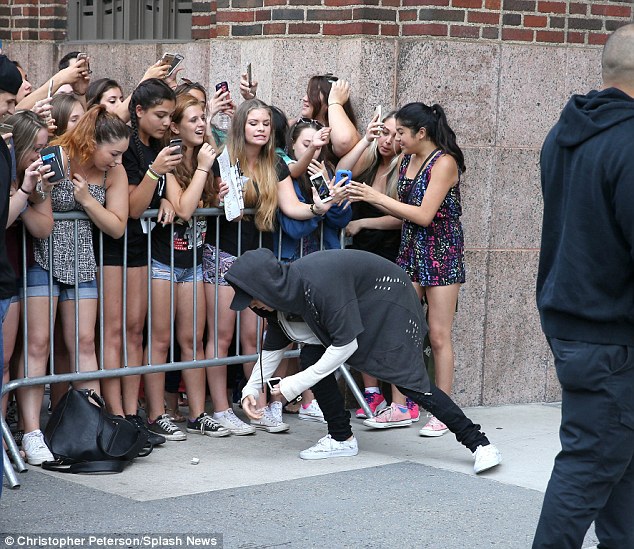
<point>586,22</point>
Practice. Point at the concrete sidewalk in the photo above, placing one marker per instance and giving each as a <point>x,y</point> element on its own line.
<point>401,490</point>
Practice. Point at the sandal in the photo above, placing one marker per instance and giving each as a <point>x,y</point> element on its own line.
<point>175,415</point>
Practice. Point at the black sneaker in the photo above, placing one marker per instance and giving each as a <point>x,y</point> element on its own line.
<point>204,424</point>
<point>153,438</point>
<point>165,427</point>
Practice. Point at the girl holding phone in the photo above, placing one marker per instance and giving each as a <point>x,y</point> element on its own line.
<point>94,182</point>
<point>432,241</point>
<point>268,186</point>
<point>191,185</point>
<point>146,161</point>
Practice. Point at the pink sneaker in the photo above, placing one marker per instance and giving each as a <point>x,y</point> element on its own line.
<point>433,428</point>
<point>389,417</point>
<point>375,401</point>
<point>414,412</point>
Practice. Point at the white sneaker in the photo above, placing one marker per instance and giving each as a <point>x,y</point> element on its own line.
<point>486,457</point>
<point>230,421</point>
<point>328,447</point>
<point>276,410</point>
<point>35,448</point>
<point>269,423</point>
<point>312,413</point>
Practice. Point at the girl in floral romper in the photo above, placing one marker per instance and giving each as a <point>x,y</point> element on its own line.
<point>432,242</point>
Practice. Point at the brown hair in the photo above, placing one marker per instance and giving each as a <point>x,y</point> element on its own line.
<point>97,126</point>
<point>182,173</point>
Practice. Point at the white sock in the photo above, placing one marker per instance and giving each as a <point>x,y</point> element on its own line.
<point>373,390</point>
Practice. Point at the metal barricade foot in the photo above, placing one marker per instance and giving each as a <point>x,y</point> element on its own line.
<point>352,384</point>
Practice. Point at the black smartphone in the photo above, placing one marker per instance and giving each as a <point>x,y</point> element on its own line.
<point>173,60</point>
<point>222,86</point>
<point>176,143</point>
<point>340,174</point>
<point>249,75</point>
<point>321,186</point>
<point>51,156</point>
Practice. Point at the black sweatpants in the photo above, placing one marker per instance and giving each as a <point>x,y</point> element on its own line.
<point>437,402</point>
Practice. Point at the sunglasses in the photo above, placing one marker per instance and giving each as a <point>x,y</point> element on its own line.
<point>310,122</point>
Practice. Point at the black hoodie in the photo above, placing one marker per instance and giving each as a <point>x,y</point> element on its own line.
<point>585,282</point>
<point>345,295</point>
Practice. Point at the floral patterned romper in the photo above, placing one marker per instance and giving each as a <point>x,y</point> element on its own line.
<point>433,255</point>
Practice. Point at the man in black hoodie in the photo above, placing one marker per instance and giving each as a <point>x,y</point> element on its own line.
<point>585,297</point>
<point>344,306</point>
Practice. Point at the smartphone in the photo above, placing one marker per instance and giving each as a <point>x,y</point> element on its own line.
<point>50,89</point>
<point>173,60</point>
<point>222,86</point>
<point>5,128</point>
<point>51,156</point>
<point>84,55</point>
<point>378,111</point>
<point>273,382</point>
<point>176,143</point>
<point>249,79</point>
<point>321,186</point>
<point>340,174</point>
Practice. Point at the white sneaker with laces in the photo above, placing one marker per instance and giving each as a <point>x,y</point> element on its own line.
<point>35,448</point>
<point>328,447</point>
<point>276,409</point>
<point>229,420</point>
<point>486,457</point>
<point>269,423</point>
<point>312,412</point>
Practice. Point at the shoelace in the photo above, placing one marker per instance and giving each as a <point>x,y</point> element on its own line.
<point>166,424</point>
<point>233,419</point>
<point>207,424</point>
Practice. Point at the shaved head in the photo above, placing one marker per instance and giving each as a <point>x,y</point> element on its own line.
<point>617,62</point>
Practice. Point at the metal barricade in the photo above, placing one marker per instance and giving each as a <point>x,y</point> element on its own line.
<point>212,215</point>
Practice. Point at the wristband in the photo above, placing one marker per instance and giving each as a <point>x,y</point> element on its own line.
<point>200,169</point>
<point>151,175</point>
<point>21,189</point>
<point>335,103</point>
<point>312,210</point>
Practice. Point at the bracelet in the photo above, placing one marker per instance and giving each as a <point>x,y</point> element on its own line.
<point>154,172</point>
<point>312,210</point>
<point>206,171</point>
<point>335,103</point>
<point>21,189</point>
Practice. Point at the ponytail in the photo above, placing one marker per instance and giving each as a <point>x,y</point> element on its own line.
<point>418,115</point>
<point>95,127</point>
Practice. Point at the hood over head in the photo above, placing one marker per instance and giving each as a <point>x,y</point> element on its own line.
<point>258,274</point>
<point>588,115</point>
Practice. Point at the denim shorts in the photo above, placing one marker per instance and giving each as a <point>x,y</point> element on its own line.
<point>37,286</point>
<point>160,271</point>
<point>225,261</point>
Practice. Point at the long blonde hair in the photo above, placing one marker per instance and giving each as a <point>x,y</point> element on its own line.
<point>261,189</point>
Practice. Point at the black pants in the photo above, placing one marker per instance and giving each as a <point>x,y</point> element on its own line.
<point>437,402</point>
<point>593,476</point>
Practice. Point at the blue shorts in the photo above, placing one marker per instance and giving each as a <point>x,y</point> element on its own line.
<point>37,286</point>
<point>160,271</point>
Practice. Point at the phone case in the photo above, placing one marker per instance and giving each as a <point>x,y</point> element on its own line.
<point>53,157</point>
<point>340,174</point>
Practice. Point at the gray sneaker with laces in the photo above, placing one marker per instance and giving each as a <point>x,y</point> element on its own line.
<point>268,422</point>
<point>236,426</point>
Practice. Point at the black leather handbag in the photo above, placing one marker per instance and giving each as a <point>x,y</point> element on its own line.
<point>85,438</point>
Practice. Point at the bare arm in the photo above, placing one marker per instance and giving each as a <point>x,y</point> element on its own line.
<point>158,70</point>
<point>344,135</point>
<point>69,75</point>
<point>112,217</point>
<point>444,175</point>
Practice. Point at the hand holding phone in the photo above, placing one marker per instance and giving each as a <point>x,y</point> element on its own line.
<point>341,174</point>
<point>173,60</point>
<point>51,156</point>
<point>176,143</point>
<point>222,86</point>
<point>84,56</point>
<point>249,75</point>
<point>273,382</point>
<point>317,180</point>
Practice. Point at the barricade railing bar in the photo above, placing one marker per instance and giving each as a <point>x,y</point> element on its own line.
<point>206,216</point>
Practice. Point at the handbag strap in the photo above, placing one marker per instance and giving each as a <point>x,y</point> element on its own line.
<point>106,466</point>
